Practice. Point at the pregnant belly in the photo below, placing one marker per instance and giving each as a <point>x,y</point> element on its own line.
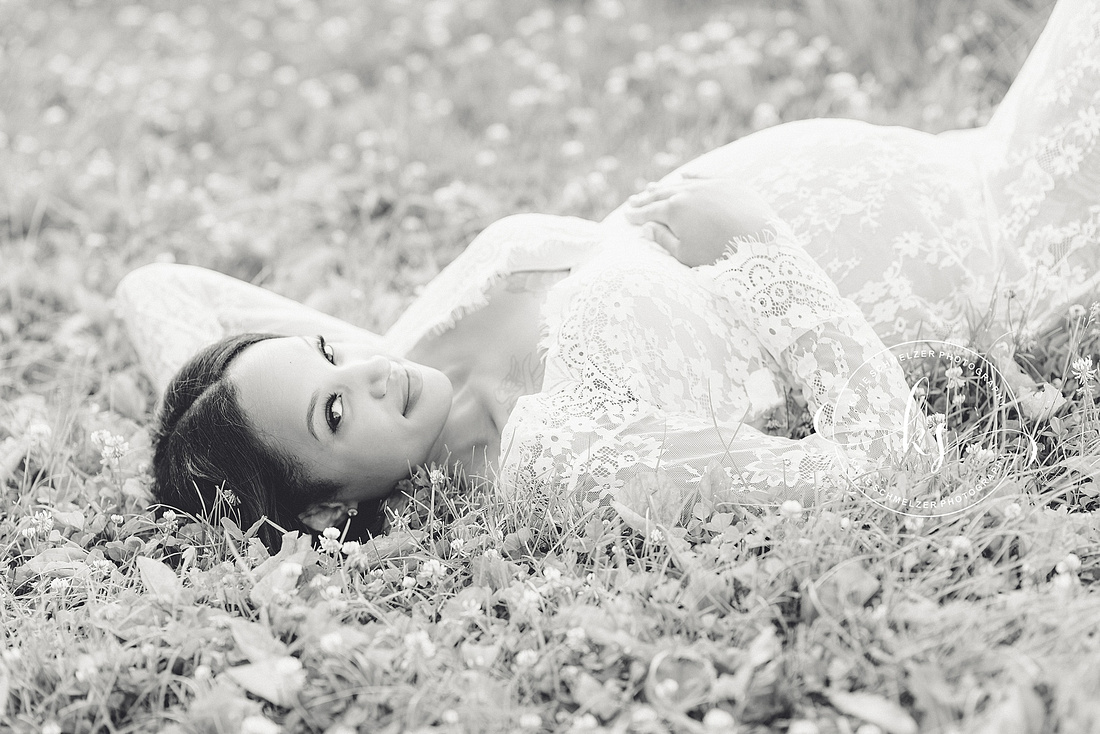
<point>895,216</point>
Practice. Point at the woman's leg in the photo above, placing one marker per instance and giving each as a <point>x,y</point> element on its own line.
<point>172,311</point>
<point>1040,162</point>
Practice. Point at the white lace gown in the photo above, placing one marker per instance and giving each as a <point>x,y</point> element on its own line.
<point>655,369</point>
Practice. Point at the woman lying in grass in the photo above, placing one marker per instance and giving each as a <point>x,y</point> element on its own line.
<point>567,357</point>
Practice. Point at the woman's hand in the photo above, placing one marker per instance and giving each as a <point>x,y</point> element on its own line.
<point>695,218</point>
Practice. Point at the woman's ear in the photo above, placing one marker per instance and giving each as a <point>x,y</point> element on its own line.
<point>325,515</point>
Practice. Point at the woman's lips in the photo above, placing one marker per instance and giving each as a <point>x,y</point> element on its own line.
<point>413,387</point>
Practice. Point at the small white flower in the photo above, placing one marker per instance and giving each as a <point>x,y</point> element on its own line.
<point>60,584</point>
<point>419,644</point>
<point>666,688</point>
<point>1013,511</point>
<point>111,448</point>
<point>977,455</point>
<point>717,720</point>
<point>586,722</point>
<point>257,724</point>
<point>530,721</point>
<point>791,509</point>
<point>526,658</point>
<point>450,716</point>
<point>576,638</point>
<point>961,545</point>
<point>169,522</point>
<point>530,598</point>
<point>1063,583</point>
<point>351,548</point>
<point>954,375</point>
<point>42,524</point>
<point>86,668</point>
<point>331,533</point>
<point>1077,312</point>
<point>331,643</point>
<point>1070,564</point>
<point>432,570</point>
<point>1083,370</point>
<point>498,132</point>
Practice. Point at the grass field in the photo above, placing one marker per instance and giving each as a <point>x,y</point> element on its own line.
<point>341,152</point>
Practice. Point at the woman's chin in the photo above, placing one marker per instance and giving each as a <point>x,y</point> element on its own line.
<point>432,406</point>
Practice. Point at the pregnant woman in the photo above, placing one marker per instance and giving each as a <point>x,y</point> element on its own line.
<point>564,358</point>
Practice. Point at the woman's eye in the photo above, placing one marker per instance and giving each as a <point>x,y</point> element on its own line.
<point>327,350</point>
<point>334,411</point>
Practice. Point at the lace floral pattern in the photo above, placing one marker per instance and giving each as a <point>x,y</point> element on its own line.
<point>650,366</point>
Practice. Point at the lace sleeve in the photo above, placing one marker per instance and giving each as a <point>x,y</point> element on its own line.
<point>593,443</point>
<point>853,383</point>
<point>171,311</point>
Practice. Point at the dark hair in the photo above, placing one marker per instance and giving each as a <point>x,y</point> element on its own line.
<point>208,460</point>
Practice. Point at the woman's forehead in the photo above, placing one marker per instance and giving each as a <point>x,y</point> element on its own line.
<point>274,381</point>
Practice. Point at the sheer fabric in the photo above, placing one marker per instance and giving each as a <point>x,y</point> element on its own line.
<point>653,368</point>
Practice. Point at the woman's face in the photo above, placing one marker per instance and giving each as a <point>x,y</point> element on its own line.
<point>347,413</point>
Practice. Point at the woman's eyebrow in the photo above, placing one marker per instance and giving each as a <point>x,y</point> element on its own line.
<point>311,409</point>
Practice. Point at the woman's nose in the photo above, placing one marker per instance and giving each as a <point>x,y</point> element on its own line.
<point>374,371</point>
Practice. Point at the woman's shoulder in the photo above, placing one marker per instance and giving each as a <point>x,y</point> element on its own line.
<point>520,242</point>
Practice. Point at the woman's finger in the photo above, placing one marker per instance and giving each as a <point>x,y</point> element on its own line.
<point>663,236</point>
<point>653,192</point>
<point>656,211</point>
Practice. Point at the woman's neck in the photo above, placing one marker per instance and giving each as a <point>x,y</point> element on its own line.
<point>470,437</point>
<point>492,359</point>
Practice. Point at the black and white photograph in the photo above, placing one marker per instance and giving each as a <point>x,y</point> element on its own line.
<point>550,366</point>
